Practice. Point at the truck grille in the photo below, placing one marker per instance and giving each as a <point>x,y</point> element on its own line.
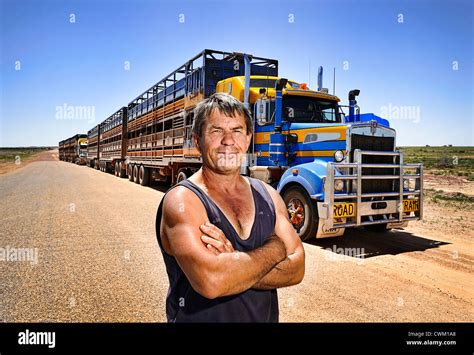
<point>375,144</point>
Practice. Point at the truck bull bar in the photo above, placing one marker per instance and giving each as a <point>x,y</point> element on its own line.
<point>365,208</point>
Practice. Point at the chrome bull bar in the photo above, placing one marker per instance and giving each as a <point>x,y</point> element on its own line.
<point>393,207</point>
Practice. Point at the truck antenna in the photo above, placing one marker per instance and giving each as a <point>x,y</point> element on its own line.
<point>334,82</point>
<point>309,70</point>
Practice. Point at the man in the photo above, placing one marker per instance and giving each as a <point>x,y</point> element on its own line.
<point>226,239</point>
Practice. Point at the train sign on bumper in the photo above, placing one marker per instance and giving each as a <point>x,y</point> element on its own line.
<point>411,205</point>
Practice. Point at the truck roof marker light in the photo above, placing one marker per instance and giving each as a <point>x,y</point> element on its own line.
<point>294,172</point>
<point>304,86</point>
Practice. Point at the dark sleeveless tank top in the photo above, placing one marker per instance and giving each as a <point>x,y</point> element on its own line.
<point>183,304</point>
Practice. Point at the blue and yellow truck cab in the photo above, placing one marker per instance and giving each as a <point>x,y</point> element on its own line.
<point>333,171</point>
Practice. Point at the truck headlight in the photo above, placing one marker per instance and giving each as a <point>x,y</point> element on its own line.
<point>338,156</point>
<point>338,185</point>
<point>406,184</point>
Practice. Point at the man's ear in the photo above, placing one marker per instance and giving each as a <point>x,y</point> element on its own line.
<point>196,142</point>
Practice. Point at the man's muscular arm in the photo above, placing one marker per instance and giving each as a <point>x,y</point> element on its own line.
<point>211,274</point>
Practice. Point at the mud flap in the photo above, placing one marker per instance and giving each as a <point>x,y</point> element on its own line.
<point>325,232</point>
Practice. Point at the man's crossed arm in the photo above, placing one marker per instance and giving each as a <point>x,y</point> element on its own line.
<point>208,259</point>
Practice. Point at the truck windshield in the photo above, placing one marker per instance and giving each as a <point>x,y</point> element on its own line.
<point>306,109</point>
<point>269,83</point>
<point>262,83</point>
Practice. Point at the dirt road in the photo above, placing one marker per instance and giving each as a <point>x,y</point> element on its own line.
<point>97,259</point>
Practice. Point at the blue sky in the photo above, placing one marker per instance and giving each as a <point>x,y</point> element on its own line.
<point>412,60</point>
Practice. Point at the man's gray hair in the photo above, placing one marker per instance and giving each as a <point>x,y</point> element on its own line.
<point>225,104</point>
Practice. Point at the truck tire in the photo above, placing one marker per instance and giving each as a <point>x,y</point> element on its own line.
<point>302,212</point>
<point>117,169</point>
<point>143,176</point>
<point>183,174</point>
<point>130,172</point>
<point>121,172</point>
<point>135,173</point>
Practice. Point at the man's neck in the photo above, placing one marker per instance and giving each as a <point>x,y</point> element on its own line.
<point>220,182</point>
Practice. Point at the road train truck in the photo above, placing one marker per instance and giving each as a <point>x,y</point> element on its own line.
<point>334,167</point>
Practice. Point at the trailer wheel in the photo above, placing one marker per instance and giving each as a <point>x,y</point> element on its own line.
<point>130,172</point>
<point>302,212</point>
<point>122,172</point>
<point>135,173</point>
<point>183,174</point>
<point>143,176</point>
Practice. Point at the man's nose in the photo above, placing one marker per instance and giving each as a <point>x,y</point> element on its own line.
<point>227,138</point>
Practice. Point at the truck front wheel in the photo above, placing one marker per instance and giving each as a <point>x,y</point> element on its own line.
<point>302,212</point>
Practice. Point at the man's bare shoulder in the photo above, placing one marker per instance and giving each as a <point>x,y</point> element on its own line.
<point>181,204</point>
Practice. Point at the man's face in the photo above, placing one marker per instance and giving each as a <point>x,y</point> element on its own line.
<point>224,142</point>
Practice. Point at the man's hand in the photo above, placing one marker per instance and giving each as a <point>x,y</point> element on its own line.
<point>215,240</point>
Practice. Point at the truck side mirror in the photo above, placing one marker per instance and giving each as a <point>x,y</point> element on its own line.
<point>280,84</point>
<point>342,116</point>
<point>261,112</point>
<point>291,138</point>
